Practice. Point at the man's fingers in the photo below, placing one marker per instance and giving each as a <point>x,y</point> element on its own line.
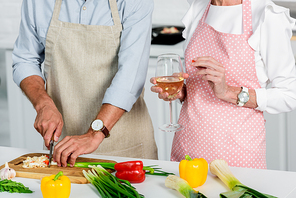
<point>66,153</point>
<point>58,131</point>
<point>73,157</point>
<point>59,148</point>
<point>48,132</point>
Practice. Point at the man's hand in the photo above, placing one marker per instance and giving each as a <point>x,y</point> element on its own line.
<point>48,121</point>
<point>71,147</point>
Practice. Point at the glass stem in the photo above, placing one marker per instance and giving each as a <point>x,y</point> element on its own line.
<point>171,116</point>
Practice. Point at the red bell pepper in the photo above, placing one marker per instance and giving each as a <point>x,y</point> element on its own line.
<point>131,171</point>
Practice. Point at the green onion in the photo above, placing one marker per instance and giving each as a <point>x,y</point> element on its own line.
<point>150,170</point>
<point>106,165</point>
<point>220,168</point>
<point>108,185</point>
<point>182,186</point>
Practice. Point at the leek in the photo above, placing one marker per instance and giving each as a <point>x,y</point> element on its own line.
<point>182,186</point>
<point>220,168</point>
<point>108,185</point>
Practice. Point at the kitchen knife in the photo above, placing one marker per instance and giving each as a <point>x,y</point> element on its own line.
<point>50,149</point>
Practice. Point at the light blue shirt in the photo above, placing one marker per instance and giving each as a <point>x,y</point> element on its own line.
<point>135,15</point>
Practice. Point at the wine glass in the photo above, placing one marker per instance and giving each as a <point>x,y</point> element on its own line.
<point>169,77</point>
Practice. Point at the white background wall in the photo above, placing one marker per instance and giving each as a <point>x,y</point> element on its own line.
<point>169,12</point>
<point>10,16</point>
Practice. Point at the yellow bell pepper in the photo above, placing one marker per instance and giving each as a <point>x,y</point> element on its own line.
<point>194,171</point>
<point>56,186</point>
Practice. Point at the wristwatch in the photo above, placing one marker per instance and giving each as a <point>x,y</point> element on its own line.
<point>98,125</point>
<point>243,97</point>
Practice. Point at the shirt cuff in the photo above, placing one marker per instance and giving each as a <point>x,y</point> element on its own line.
<point>22,71</point>
<point>120,98</point>
<point>261,98</point>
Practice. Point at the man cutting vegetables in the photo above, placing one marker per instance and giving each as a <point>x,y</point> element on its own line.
<point>95,57</point>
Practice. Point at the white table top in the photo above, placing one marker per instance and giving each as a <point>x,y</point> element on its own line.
<point>277,183</point>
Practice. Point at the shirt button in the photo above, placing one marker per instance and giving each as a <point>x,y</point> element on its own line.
<point>84,8</point>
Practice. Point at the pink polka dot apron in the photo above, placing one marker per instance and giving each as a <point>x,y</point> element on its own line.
<point>215,129</point>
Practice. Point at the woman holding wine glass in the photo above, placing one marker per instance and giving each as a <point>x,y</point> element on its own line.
<point>233,50</point>
<point>170,78</point>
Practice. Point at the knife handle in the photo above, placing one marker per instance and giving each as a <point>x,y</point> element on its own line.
<point>52,139</point>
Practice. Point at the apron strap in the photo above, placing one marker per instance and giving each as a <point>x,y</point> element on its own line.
<point>247,17</point>
<point>114,12</point>
<point>56,11</point>
<point>203,18</point>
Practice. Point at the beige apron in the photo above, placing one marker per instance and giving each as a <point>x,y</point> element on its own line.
<point>80,63</point>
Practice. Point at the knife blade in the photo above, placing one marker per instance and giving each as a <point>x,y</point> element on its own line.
<point>50,149</point>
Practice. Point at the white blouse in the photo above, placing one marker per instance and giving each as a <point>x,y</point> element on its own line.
<point>274,59</point>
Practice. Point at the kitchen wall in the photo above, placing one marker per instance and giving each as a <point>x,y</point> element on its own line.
<point>9,25</point>
<point>4,120</point>
<point>169,12</point>
<point>10,16</point>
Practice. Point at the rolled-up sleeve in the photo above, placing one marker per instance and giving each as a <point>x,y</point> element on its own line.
<point>28,52</point>
<point>128,82</point>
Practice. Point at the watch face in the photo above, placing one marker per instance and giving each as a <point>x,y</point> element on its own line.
<point>243,97</point>
<point>97,125</point>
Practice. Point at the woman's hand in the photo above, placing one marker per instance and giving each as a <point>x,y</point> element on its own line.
<point>164,95</point>
<point>214,72</point>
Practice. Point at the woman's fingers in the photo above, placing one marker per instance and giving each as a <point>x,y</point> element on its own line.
<point>156,89</point>
<point>153,80</point>
<point>207,62</point>
<point>185,75</point>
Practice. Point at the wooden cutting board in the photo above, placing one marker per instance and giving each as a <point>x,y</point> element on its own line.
<point>75,174</point>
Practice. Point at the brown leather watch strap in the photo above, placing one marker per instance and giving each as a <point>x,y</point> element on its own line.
<point>105,131</point>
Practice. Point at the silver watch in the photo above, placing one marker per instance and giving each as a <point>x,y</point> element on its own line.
<point>243,97</point>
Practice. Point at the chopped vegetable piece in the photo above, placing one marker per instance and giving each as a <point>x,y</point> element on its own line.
<point>182,186</point>
<point>194,171</point>
<point>13,187</point>
<point>108,185</point>
<point>46,162</point>
<point>56,186</point>
<point>220,168</point>
<point>35,162</point>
